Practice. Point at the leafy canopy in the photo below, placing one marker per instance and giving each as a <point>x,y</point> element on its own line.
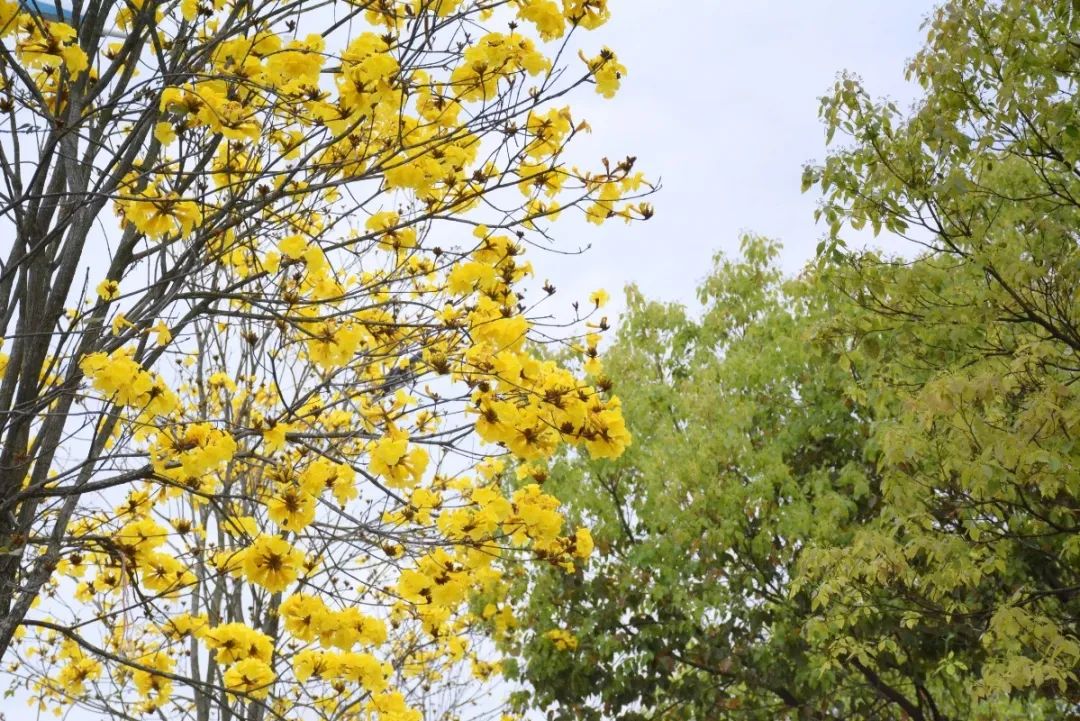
<point>746,450</point>
<point>968,355</point>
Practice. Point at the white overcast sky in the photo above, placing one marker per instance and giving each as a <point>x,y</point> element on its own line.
<point>721,102</point>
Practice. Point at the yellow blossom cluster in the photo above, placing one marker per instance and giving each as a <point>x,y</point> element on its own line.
<point>156,212</point>
<point>77,670</point>
<point>48,51</point>
<point>125,381</point>
<point>563,640</point>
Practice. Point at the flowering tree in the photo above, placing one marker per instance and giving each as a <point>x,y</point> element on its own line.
<point>250,420</point>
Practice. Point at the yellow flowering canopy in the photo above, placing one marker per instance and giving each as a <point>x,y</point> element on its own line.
<point>271,339</point>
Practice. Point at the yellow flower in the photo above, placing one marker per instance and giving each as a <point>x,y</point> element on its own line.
<point>361,668</point>
<point>392,459</point>
<point>349,626</point>
<point>75,674</point>
<point>583,543</point>
<point>546,16</point>
<point>156,214</point>
<point>305,616</point>
<point>74,59</point>
<point>274,436</point>
<point>323,474</point>
<point>272,563</point>
<point>589,14</point>
<point>235,642</point>
<point>292,508</point>
<point>606,436</point>
<point>119,323</point>
<point>162,573</point>
<point>250,676</point>
<point>593,366</point>
<point>150,685</point>
<point>108,289</point>
<point>222,380</point>
<point>198,448</point>
<point>607,72</point>
<point>128,383</point>
<point>333,343</point>
<point>393,707</point>
<point>293,246</point>
<point>162,333</point>
<point>599,298</point>
<point>272,262</point>
<point>184,624</point>
<point>240,526</point>
<point>164,133</point>
<point>50,44</point>
<point>310,663</point>
<point>140,537</point>
<point>531,438</point>
<point>78,670</point>
<point>563,640</point>
<point>537,513</point>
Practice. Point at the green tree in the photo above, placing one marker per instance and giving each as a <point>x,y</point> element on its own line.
<point>967,355</point>
<point>745,451</point>
<point>758,445</point>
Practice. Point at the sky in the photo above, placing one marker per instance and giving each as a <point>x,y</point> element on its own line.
<point>720,103</point>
